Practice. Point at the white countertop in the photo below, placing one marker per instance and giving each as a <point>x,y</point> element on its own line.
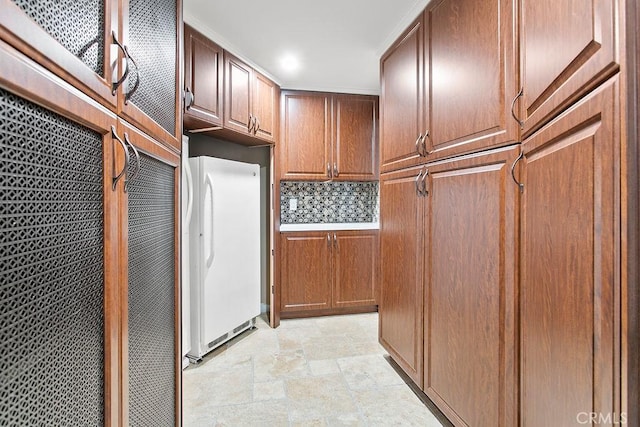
<point>333,226</point>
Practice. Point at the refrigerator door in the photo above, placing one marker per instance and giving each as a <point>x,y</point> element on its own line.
<point>230,246</point>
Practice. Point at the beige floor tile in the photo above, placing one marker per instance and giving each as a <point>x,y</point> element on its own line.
<point>347,420</point>
<point>318,397</point>
<point>367,372</point>
<point>271,390</point>
<point>257,414</point>
<point>283,364</point>
<point>394,406</point>
<point>324,367</point>
<point>317,422</point>
<point>329,347</point>
<point>224,385</point>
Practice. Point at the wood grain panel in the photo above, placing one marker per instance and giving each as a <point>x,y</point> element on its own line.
<point>471,75</point>
<point>570,250</point>
<point>554,78</point>
<point>355,140</point>
<point>204,73</point>
<point>401,100</point>
<point>401,290</point>
<point>470,289</point>
<point>237,94</point>
<point>355,264</point>
<point>265,107</point>
<point>305,149</point>
<point>306,271</point>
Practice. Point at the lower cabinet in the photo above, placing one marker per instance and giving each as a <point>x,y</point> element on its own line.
<point>448,292</point>
<point>570,260</point>
<point>325,272</point>
<point>88,288</point>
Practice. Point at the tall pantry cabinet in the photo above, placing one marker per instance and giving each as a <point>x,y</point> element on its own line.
<point>510,229</point>
<point>90,155</point>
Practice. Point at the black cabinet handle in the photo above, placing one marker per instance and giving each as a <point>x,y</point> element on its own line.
<point>116,84</point>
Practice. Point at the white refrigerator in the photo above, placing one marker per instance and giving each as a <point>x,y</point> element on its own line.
<point>224,251</point>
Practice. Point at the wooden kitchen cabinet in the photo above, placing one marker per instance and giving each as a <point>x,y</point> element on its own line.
<point>555,78</point>
<point>84,43</point>
<point>402,100</point>
<point>250,101</point>
<point>569,284</point>
<point>328,136</point>
<point>470,288</point>
<point>204,83</point>
<point>470,76</point>
<point>328,272</point>
<point>402,209</point>
<point>305,271</point>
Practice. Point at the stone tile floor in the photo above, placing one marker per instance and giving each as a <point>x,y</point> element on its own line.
<point>325,371</point>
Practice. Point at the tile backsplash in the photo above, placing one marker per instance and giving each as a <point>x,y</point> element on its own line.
<point>328,202</point>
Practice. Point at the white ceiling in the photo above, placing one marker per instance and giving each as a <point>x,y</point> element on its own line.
<point>338,43</point>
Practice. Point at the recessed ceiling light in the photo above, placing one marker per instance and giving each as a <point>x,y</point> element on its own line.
<point>289,63</point>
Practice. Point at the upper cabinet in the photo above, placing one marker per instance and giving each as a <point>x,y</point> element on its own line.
<point>225,97</point>
<point>448,82</point>
<point>72,39</point>
<point>328,136</point>
<point>121,53</point>
<point>203,81</point>
<point>470,76</point>
<point>554,78</point>
<point>149,95</point>
<point>401,100</point>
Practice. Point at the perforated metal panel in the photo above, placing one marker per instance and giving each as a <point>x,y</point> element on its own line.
<point>152,44</point>
<point>77,24</point>
<point>51,269</point>
<point>152,352</point>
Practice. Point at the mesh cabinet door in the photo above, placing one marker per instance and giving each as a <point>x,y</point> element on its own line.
<point>150,95</point>
<point>152,296</point>
<point>66,36</point>
<point>52,265</point>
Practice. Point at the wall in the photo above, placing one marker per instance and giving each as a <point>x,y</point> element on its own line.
<point>203,145</point>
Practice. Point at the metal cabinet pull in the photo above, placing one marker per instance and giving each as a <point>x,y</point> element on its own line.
<point>423,144</point>
<point>250,124</point>
<point>335,240</point>
<point>116,84</point>
<point>256,128</point>
<point>117,177</point>
<point>328,240</point>
<point>417,181</point>
<point>423,183</point>
<point>513,104</point>
<point>135,172</point>
<point>130,93</point>
<point>513,167</point>
<point>189,99</point>
<point>420,138</point>
<point>329,170</point>
<point>336,172</point>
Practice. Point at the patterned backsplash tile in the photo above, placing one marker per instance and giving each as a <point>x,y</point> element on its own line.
<point>329,202</point>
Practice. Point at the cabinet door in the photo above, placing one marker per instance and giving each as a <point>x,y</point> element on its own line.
<point>355,263</point>
<point>265,107</point>
<point>471,76</point>
<point>70,38</point>
<point>569,256</point>
<point>151,312</point>
<point>401,100</point>
<point>355,138</point>
<point>203,76</point>
<point>58,232</point>
<point>237,95</point>
<point>306,271</point>
<point>401,249</point>
<point>305,149</point>
<point>554,78</point>
<point>150,96</point>
<point>470,289</point>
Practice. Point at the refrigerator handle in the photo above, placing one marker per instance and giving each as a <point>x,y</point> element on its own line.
<point>209,182</point>
<point>189,189</point>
